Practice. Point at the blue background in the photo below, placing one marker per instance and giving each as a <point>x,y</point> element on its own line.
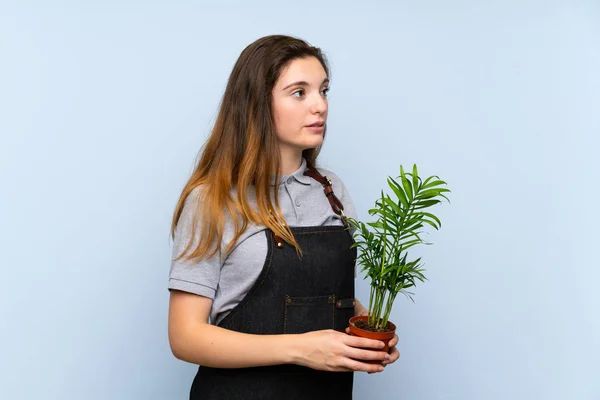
<point>104,106</point>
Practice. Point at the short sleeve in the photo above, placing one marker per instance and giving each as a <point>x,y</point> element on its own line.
<point>201,277</point>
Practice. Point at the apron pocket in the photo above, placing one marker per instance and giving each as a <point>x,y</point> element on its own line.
<point>307,314</point>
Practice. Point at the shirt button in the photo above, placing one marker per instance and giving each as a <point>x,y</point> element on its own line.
<point>289,180</point>
<point>297,203</point>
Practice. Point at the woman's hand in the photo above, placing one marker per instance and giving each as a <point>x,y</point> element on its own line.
<point>360,310</point>
<point>393,351</point>
<point>329,350</point>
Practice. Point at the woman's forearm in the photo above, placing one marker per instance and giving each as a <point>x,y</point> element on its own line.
<point>213,346</point>
<point>205,344</point>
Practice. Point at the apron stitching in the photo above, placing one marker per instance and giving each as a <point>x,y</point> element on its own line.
<point>333,313</point>
<point>285,319</point>
<point>320,231</point>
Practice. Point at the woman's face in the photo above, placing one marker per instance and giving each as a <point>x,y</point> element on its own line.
<point>299,100</point>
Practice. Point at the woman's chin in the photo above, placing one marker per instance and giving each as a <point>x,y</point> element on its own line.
<point>315,142</point>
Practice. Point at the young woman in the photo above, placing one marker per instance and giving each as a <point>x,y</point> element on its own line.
<point>260,243</point>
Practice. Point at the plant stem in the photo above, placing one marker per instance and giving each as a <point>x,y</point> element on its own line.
<point>375,307</point>
<point>380,303</point>
<point>388,308</point>
<point>369,320</point>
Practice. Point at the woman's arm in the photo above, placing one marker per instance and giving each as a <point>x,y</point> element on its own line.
<point>194,340</point>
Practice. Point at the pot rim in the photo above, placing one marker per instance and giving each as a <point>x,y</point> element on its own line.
<point>375,335</point>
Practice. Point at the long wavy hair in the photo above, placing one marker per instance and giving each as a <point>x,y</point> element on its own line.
<point>242,151</point>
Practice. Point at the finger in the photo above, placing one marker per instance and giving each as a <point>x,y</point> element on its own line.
<point>393,341</point>
<point>394,355</point>
<point>348,330</point>
<point>370,355</point>
<point>361,366</point>
<point>365,343</point>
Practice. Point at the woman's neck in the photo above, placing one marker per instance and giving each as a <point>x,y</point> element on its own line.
<point>290,162</point>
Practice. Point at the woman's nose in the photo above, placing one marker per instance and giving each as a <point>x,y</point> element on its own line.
<point>319,104</point>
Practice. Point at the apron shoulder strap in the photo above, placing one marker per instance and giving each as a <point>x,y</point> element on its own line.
<point>336,204</point>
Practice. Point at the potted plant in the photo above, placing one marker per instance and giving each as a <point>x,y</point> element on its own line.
<point>383,248</point>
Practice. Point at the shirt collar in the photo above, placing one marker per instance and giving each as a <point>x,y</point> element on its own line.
<point>297,175</point>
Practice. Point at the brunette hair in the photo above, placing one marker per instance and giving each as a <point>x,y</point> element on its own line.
<point>242,150</point>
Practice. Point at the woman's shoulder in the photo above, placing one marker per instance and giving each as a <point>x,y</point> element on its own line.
<point>340,190</point>
<point>196,193</point>
<point>193,210</point>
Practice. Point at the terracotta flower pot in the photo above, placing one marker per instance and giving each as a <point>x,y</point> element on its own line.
<point>385,337</point>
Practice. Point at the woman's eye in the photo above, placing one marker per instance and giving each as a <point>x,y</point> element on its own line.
<point>301,92</point>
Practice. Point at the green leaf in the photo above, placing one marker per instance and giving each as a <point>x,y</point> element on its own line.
<point>430,193</point>
<point>398,191</point>
<point>409,234</point>
<point>433,217</point>
<point>433,183</point>
<point>375,224</point>
<point>394,206</point>
<point>414,225</point>
<point>427,181</point>
<point>415,179</point>
<point>447,199</point>
<point>406,184</point>
<point>425,203</point>
<point>431,223</point>
<point>406,245</point>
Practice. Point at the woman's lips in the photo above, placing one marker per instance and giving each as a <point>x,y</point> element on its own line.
<point>316,128</point>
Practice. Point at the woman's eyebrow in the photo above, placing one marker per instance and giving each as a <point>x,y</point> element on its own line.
<point>304,83</point>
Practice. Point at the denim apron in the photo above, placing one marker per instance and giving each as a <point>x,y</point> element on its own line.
<point>291,296</point>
